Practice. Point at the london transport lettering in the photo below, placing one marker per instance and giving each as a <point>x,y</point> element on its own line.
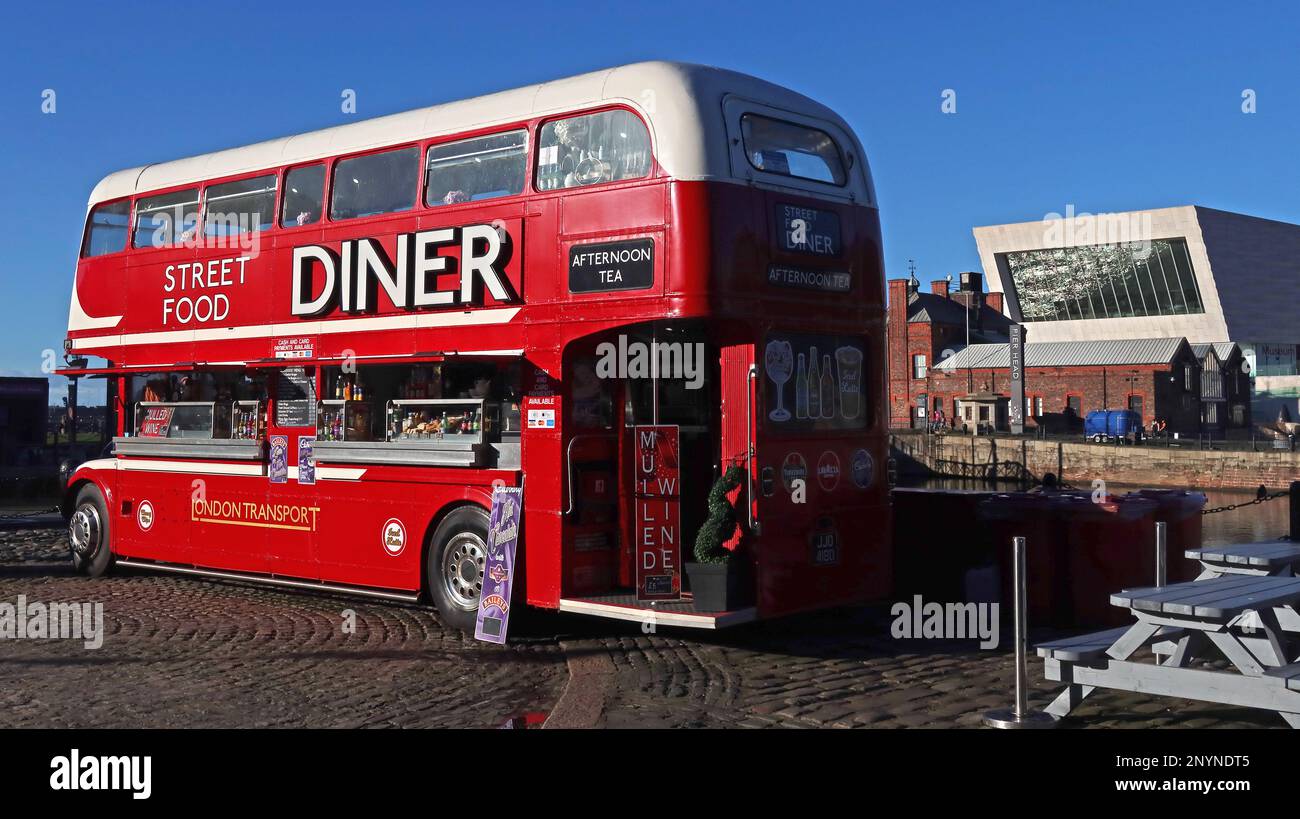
<point>291,516</point>
<point>499,571</point>
<point>658,513</point>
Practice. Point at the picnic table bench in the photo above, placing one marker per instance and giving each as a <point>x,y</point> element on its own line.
<point>1274,557</point>
<point>1250,619</point>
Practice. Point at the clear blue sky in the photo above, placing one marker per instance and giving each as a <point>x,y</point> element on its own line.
<point>1105,106</point>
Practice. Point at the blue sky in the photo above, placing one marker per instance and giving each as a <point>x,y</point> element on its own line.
<point>1103,106</point>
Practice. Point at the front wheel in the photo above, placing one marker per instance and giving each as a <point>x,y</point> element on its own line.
<point>456,561</point>
<point>92,554</point>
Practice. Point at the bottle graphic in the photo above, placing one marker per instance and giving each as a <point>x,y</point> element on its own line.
<point>814,386</point>
<point>801,390</point>
<point>850,371</point>
<point>827,388</point>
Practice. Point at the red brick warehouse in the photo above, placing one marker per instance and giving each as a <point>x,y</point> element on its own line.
<point>931,368</point>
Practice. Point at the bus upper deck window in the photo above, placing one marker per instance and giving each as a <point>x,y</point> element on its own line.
<point>480,168</point>
<point>788,149</point>
<point>107,230</point>
<point>304,193</point>
<point>374,184</point>
<point>169,219</point>
<point>244,206</point>
<point>587,150</point>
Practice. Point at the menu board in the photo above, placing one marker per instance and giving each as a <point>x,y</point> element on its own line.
<point>295,398</point>
<point>156,423</point>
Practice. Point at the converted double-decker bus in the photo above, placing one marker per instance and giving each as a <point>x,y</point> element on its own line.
<point>324,352</point>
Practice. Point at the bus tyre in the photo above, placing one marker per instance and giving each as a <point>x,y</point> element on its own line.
<point>88,533</point>
<point>457,559</point>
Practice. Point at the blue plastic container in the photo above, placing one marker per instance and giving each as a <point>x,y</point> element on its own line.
<point>1103,425</point>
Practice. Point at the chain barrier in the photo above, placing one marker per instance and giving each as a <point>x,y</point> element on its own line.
<point>1231,506</point>
<point>32,514</point>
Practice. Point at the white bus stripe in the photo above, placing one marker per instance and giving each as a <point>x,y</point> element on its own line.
<point>467,318</point>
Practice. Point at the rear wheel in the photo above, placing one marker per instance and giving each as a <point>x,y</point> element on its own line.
<point>88,533</point>
<point>456,561</point>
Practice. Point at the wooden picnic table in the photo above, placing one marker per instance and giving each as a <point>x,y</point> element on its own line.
<point>1274,557</point>
<point>1250,619</point>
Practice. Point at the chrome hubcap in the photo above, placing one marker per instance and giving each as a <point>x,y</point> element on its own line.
<point>462,569</point>
<point>84,529</point>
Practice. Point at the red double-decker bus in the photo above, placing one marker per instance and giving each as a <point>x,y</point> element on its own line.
<point>324,351</point>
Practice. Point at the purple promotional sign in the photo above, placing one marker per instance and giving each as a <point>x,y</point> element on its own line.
<point>499,573</point>
<point>279,468</point>
<point>307,460</point>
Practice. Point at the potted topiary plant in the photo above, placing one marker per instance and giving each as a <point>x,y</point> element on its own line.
<point>720,578</point>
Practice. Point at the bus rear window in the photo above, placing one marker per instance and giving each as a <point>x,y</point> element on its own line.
<point>374,184</point>
<point>776,146</point>
<point>107,230</point>
<point>480,168</point>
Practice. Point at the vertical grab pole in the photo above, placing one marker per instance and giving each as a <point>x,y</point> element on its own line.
<point>749,445</point>
<point>1020,716</point>
<point>1022,627</point>
<point>1162,554</point>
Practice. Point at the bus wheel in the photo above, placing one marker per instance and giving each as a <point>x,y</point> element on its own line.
<point>88,534</point>
<point>457,558</point>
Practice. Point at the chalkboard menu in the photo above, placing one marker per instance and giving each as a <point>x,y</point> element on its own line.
<point>295,398</point>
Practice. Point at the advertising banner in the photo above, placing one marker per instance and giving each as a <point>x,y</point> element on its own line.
<point>1016,334</point>
<point>499,571</point>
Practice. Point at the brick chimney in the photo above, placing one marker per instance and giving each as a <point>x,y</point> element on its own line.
<point>939,287</point>
<point>898,294</point>
<point>994,300</point>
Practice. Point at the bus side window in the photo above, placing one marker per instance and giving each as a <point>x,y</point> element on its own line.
<point>480,168</point>
<point>375,183</point>
<point>605,147</point>
<point>107,230</point>
<point>304,192</point>
<point>165,220</point>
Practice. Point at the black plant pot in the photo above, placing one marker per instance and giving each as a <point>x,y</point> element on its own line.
<point>721,586</point>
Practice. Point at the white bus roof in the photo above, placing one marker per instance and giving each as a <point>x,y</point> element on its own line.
<point>682,102</point>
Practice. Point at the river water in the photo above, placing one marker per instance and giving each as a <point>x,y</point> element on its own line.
<point>1262,521</point>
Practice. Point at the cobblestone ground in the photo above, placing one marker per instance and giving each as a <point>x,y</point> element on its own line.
<point>183,652</point>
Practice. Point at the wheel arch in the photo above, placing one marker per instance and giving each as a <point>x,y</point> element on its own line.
<point>472,496</point>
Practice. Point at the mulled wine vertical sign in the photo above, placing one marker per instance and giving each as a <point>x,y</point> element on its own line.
<point>657,490</point>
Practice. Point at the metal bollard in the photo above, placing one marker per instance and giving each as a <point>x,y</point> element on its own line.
<point>1020,716</point>
<point>1162,554</point>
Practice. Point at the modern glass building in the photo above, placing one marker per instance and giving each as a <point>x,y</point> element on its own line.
<point>1106,281</point>
<point>1203,274</point>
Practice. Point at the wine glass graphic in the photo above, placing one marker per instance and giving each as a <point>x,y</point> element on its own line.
<point>778,361</point>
